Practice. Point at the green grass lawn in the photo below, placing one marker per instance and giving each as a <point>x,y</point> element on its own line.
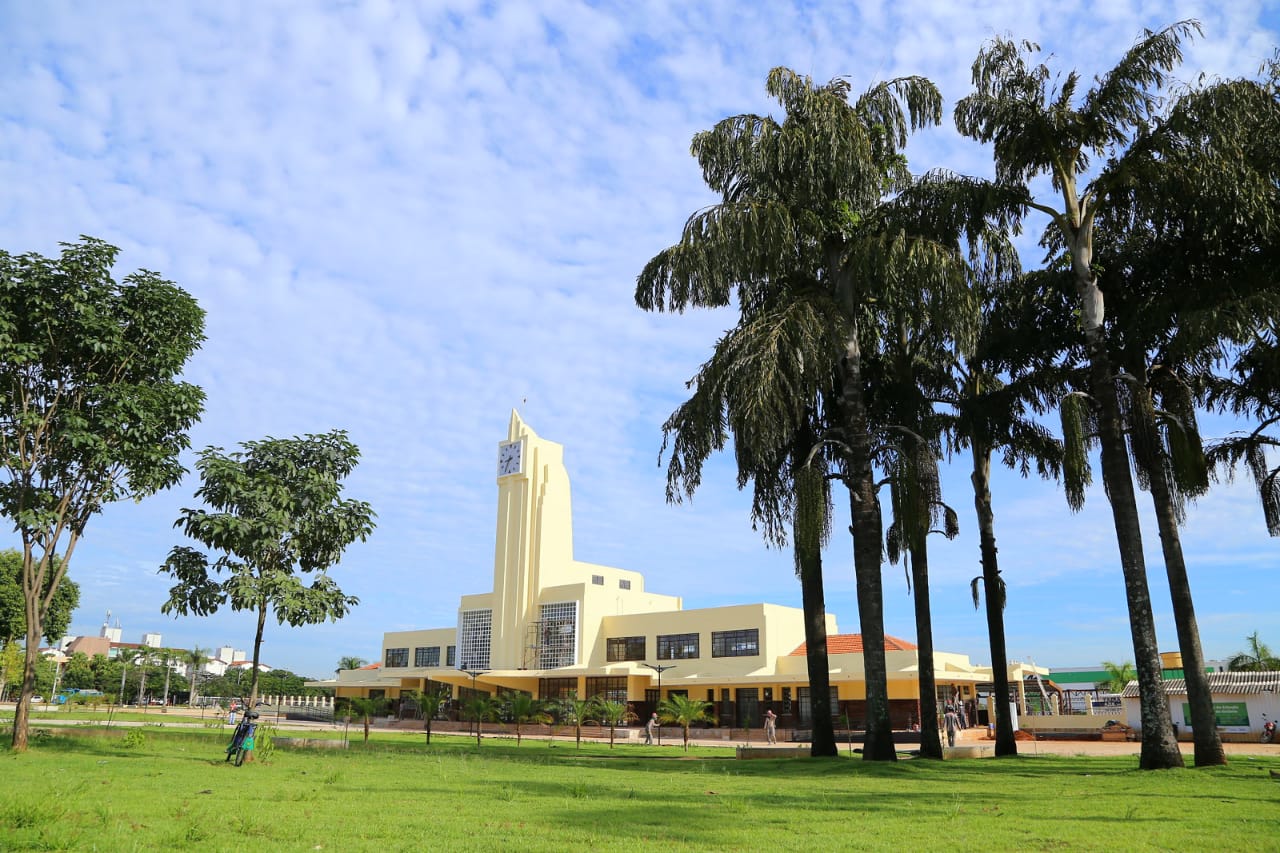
<point>156,788</point>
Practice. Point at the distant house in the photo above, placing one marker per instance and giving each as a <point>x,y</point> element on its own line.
<point>1242,702</point>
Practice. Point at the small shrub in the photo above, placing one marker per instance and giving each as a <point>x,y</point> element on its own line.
<point>264,744</point>
<point>134,739</point>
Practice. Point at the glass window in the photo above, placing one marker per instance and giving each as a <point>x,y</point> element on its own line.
<point>475,628</point>
<point>426,656</point>
<point>598,580</point>
<point>735,644</point>
<point>397,657</point>
<point>677,646</point>
<point>451,656</point>
<point>556,688</point>
<point>558,635</point>
<point>610,688</point>
<point>624,648</point>
<point>624,584</point>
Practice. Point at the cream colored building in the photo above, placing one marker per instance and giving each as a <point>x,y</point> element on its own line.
<point>552,625</point>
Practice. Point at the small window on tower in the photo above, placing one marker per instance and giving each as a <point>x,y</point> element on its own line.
<point>624,584</point>
<point>598,580</point>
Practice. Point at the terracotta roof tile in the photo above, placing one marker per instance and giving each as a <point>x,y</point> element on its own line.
<point>851,644</point>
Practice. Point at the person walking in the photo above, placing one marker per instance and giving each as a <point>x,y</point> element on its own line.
<point>650,728</point>
<point>951,721</point>
<point>770,726</point>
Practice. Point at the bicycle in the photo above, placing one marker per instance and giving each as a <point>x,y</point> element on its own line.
<point>242,739</point>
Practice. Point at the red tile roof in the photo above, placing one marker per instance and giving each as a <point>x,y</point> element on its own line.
<point>851,644</point>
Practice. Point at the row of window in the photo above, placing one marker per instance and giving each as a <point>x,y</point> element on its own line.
<point>598,580</point>
<point>422,656</point>
<point>724,644</point>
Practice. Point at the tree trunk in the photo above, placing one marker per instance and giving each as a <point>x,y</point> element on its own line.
<point>1204,725</point>
<point>815,637</point>
<point>866,529</point>
<point>808,551</point>
<point>930,740</point>
<point>257,650</point>
<point>22,711</point>
<point>1159,748</point>
<point>994,596</point>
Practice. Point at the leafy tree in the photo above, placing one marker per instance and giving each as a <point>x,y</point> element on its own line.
<point>276,515</point>
<point>793,240</point>
<point>522,709</point>
<point>613,714</point>
<point>1258,657</point>
<point>77,672</point>
<point>682,711</point>
<point>91,408</point>
<point>1118,675</point>
<point>13,609</point>
<point>1041,128</point>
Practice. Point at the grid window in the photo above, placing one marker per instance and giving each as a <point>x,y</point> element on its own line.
<point>557,688</point>
<point>451,656</point>
<point>677,646</point>
<point>426,656</point>
<point>598,580</point>
<point>475,629</point>
<point>609,688</point>
<point>558,635</point>
<point>397,657</point>
<point>735,644</point>
<point>624,584</point>
<point>624,648</point>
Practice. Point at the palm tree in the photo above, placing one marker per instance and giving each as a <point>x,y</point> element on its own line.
<point>1118,676</point>
<point>684,712</point>
<point>523,709</point>
<point>1258,658</point>
<point>480,707</point>
<point>351,662</point>
<point>429,704</point>
<point>1036,130</point>
<point>791,237</point>
<point>577,711</point>
<point>194,659</point>
<point>614,714</point>
<point>366,709</point>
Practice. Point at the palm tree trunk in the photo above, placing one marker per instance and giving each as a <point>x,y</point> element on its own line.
<point>930,741</point>
<point>808,550</point>
<point>823,744</point>
<point>1159,748</point>
<point>994,594</point>
<point>1204,725</point>
<point>867,556</point>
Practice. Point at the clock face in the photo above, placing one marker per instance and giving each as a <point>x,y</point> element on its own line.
<point>510,458</point>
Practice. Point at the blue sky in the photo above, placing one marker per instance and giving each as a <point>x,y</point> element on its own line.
<point>405,220</point>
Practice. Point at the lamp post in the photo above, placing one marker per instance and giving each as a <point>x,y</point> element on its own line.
<point>474,673</point>
<point>660,668</point>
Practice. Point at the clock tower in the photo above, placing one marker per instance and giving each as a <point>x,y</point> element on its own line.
<point>534,541</point>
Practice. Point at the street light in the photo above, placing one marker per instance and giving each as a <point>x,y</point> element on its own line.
<point>660,668</point>
<point>474,673</point>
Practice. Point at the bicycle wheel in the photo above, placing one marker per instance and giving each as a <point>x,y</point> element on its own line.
<point>239,756</point>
